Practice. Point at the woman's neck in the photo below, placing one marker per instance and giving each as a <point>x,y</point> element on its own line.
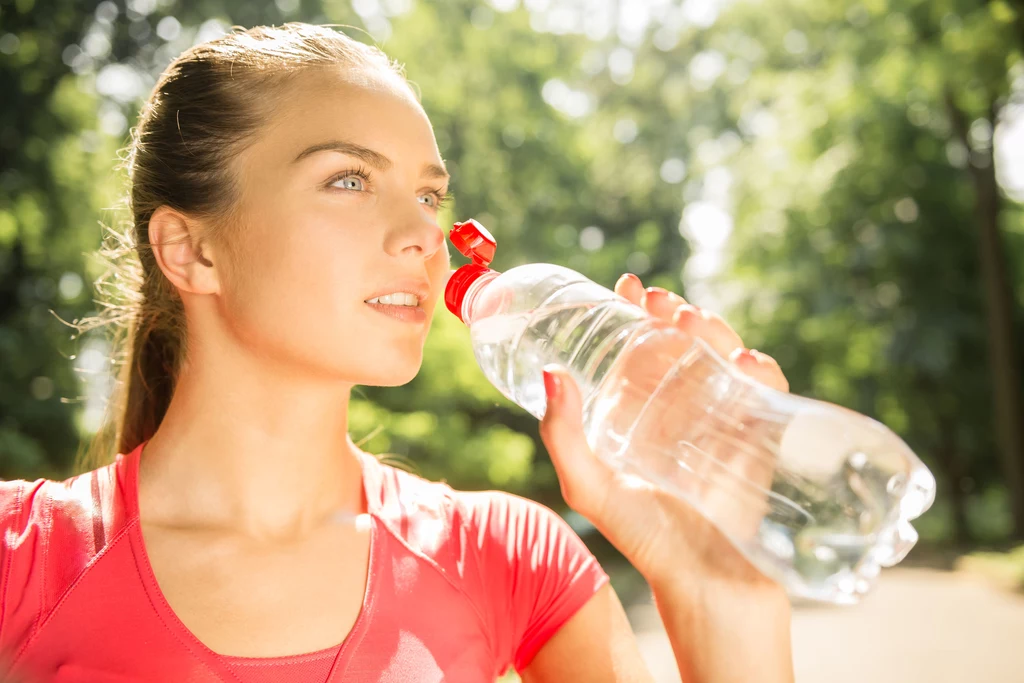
<point>253,449</point>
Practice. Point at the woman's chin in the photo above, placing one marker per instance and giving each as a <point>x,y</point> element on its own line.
<point>390,375</point>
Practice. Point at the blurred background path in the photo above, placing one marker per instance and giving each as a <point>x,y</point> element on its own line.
<point>919,625</point>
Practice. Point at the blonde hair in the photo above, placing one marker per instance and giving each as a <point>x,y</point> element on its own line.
<point>205,109</point>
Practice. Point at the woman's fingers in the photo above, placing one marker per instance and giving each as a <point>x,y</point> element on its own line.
<point>631,288</point>
<point>584,478</point>
<point>761,367</point>
<point>662,303</point>
<point>703,324</point>
<point>708,326</point>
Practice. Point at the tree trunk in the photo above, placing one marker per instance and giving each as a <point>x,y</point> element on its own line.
<point>1000,302</point>
<point>951,461</point>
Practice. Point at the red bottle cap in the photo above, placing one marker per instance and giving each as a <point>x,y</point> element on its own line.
<point>474,241</point>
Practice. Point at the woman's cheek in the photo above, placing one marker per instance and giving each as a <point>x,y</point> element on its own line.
<point>439,268</point>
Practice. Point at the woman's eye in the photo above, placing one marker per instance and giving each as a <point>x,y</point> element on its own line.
<point>349,182</point>
<point>435,199</point>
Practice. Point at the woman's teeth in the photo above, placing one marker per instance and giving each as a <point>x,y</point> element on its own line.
<point>396,299</point>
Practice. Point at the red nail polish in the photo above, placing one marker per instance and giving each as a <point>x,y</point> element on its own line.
<point>551,384</point>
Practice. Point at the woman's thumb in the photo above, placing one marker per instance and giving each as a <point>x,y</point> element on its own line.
<point>583,477</point>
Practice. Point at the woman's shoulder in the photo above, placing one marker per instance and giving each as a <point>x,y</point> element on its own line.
<point>409,496</point>
<point>31,510</point>
<point>518,561</point>
<point>487,528</point>
<point>82,505</point>
<point>50,531</point>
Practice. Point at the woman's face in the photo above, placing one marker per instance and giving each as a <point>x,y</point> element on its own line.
<point>339,200</point>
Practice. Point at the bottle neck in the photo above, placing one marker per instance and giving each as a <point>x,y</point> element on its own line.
<point>469,315</point>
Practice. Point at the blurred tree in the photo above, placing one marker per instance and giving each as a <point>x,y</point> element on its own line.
<point>855,142</point>
<point>53,164</point>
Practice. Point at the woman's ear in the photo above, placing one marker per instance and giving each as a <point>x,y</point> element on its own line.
<point>187,261</point>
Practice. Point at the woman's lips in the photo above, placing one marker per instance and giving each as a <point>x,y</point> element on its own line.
<point>408,314</point>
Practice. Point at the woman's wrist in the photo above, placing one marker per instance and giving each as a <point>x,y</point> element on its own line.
<point>723,633</point>
<point>717,593</point>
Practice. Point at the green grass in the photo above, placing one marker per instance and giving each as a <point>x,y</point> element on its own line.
<point>1006,568</point>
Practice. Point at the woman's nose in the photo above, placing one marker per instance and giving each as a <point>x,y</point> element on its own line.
<point>419,233</point>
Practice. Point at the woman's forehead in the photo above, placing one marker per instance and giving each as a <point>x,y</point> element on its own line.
<point>372,111</point>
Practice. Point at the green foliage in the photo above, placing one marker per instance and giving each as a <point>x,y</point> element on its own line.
<point>55,179</point>
<point>869,294</point>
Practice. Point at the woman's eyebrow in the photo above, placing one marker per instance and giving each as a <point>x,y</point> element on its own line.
<point>375,159</point>
<point>435,171</point>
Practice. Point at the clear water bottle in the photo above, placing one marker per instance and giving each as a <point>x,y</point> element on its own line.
<point>816,496</point>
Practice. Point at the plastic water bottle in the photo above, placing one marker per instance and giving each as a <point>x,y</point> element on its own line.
<point>816,496</point>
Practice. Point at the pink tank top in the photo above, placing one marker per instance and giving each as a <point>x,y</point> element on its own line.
<point>461,586</point>
<point>315,666</point>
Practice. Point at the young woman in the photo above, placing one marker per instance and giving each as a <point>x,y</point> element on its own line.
<point>283,180</point>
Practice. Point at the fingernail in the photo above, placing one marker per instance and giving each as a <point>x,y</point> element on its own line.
<point>738,354</point>
<point>684,310</point>
<point>658,291</point>
<point>552,383</point>
<point>627,277</point>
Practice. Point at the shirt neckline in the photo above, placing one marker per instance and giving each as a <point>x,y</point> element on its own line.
<point>371,485</point>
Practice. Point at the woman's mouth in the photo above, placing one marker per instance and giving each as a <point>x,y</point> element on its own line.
<point>400,306</point>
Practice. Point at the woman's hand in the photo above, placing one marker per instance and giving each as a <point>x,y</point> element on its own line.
<point>668,541</point>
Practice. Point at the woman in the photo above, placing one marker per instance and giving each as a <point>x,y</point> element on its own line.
<point>285,184</point>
